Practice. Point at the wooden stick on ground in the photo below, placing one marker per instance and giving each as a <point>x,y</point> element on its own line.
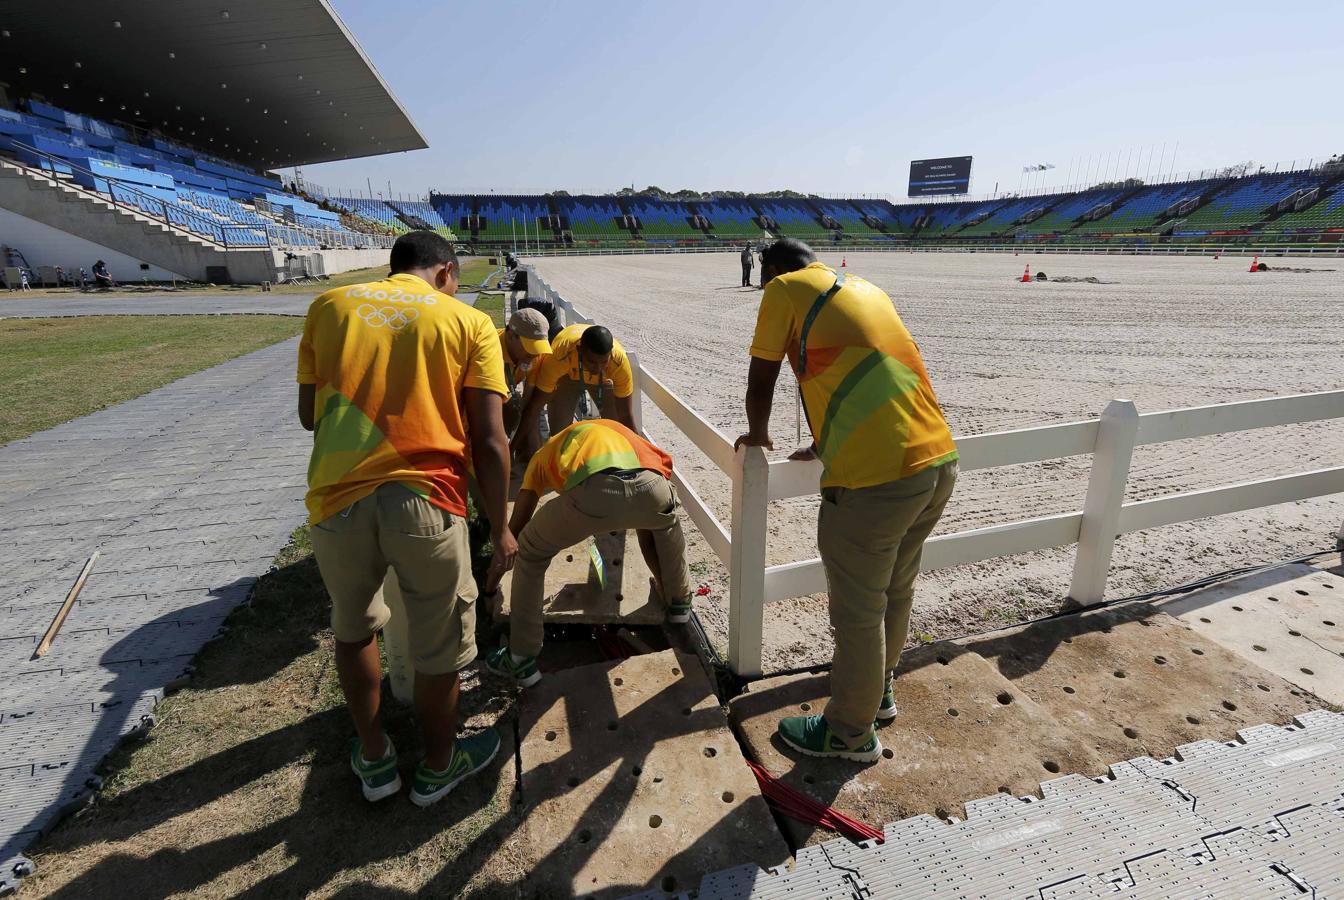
<point>64,611</point>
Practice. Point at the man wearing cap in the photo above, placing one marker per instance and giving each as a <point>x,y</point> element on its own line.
<point>608,479</point>
<point>521,342</point>
<point>582,358</point>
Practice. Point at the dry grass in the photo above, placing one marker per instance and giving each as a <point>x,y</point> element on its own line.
<point>54,370</point>
<point>243,787</point>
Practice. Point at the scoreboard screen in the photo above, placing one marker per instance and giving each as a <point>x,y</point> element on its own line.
<point>949,175</point>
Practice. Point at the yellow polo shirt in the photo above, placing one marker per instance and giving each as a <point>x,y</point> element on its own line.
<point>390,360</point>
<point>872,410</point>
<point>563,362</point>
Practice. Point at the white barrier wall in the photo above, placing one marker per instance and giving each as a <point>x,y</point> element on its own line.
<point>1110,439</point>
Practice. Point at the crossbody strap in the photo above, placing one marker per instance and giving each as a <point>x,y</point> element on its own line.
<point>812,317</point>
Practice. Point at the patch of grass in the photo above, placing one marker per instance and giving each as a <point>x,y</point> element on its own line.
<point>244,787</point>
<point>54,370</point>
<point>493,305</point>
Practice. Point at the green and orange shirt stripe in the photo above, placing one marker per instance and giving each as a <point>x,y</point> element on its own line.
<point>586,448</point>
<point>870,405</point>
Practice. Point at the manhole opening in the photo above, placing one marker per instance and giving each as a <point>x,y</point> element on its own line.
<point>953,713</point>
<point>655,821</point>
<point>1005,698</point>
<point>1051,766</point>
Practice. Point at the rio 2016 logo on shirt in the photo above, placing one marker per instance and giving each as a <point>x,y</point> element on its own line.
<point>395,295</point>
<point>393,318</point>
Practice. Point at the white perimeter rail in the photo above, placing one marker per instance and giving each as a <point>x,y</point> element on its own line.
<point>1105,515</point>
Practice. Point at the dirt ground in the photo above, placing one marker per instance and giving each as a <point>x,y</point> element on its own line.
<point>1165,333</point>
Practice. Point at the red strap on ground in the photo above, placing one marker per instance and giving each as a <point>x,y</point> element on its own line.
<point>797,805</point>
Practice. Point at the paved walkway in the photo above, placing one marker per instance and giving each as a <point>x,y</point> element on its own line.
<point>188,492</point>
<point>15,306</point>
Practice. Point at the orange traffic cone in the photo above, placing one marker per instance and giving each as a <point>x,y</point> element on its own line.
<point>1255,264</point>
<point>842,262</point>
<point>1026,274</point>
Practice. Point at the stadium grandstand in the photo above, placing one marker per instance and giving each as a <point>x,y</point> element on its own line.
<point>173,120</point>
<point>1305,206</point>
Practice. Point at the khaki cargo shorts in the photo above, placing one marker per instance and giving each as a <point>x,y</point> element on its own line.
<point>428,548</point>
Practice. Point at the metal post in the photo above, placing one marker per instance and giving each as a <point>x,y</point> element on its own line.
<point>746,570</point>
<point>1116,434</point>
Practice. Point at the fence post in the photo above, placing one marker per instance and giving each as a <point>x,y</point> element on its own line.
<point>1116,434</point>
<point>637,398</point>
<point>746,569</point>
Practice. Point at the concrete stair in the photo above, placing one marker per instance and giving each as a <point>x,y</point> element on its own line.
<point>50,200</point>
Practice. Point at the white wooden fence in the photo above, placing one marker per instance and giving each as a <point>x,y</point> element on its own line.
<point>1105,515</point>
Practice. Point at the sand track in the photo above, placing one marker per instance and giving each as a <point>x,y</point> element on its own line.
<point>1169,332</point>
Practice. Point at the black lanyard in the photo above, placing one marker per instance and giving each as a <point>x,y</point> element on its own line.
<point>811,318</point>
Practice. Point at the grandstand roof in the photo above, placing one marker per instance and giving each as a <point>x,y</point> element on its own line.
<point>265,82</point>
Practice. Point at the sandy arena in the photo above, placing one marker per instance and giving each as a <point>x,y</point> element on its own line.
<point>1169,332</point>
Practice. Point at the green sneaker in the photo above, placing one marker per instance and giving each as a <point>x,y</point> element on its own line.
<point>470,755</point>
<point>679,611</point>
<point>810,735</point>
<point>500,661</point>
<point>378,779</point>
<point>886,710</point>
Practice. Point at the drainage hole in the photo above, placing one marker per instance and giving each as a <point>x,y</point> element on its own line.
<point>726,796</point>
<point>1274,599</point>
<point>1160,660</point>
<point>1328,623</point>
<point>550,735</point>
<point>1131,733</point>
<point>1005,698</point>
<point>1229,706</point>
<point>618,681</point>
<point>1306,671</point>
<point>1302,593</point>
<point>1263,687</point>
<point>1258,648</point>
<point>569,557</point>
<point>1196,651</point>
<point>655,821</point>
<point>1205,621</point>
<point>1051,765</point>
<point>657,779</point>
<point>1069,690</point>
<point>1003,789</point>
<point>711,752</point>
<point>953,713</point>
<point>888,753</point>
<point>1238,609</point>
<point>1292,633</point>
<point>1119,673</point>
<point>1193,720</point>
<point>676,671</point>
<point>805,706</point>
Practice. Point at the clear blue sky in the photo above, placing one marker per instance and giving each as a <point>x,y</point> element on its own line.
<point>839,97</point>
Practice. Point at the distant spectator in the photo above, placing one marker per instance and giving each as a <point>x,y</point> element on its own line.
<point>23,280</point>
<point>747,264</point>
<point>102,277</point>
<point>83,278</point>
<point>60,277</point>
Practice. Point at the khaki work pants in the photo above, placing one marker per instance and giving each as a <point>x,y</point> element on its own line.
<point>605,502</point>
<point>871,540</point>
<point>563,405</point>
<point>429,550</point>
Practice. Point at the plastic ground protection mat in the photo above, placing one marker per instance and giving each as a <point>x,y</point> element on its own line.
<point>1262,816</point>
<point>188,493</point>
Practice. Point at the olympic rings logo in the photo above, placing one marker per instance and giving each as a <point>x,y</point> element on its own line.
<point>393,318</point>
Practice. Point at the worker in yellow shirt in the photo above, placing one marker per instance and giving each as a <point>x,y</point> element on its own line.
<point>609,479</point>
<point>520,343</point>
<point>889,466</point>
<point>402,386</point>
<point>582,358</point>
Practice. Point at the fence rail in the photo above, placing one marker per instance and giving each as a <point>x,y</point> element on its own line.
<point>1110,439</point>
<point>1265,250</point>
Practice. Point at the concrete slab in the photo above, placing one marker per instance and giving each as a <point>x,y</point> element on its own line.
<point>1130,680</point>
<point>630,779</point>
<point>1288,620</point>
<point>963,731</point>
<point>574,595</point>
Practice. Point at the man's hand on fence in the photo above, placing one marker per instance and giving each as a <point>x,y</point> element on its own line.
<point>754,440</point>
